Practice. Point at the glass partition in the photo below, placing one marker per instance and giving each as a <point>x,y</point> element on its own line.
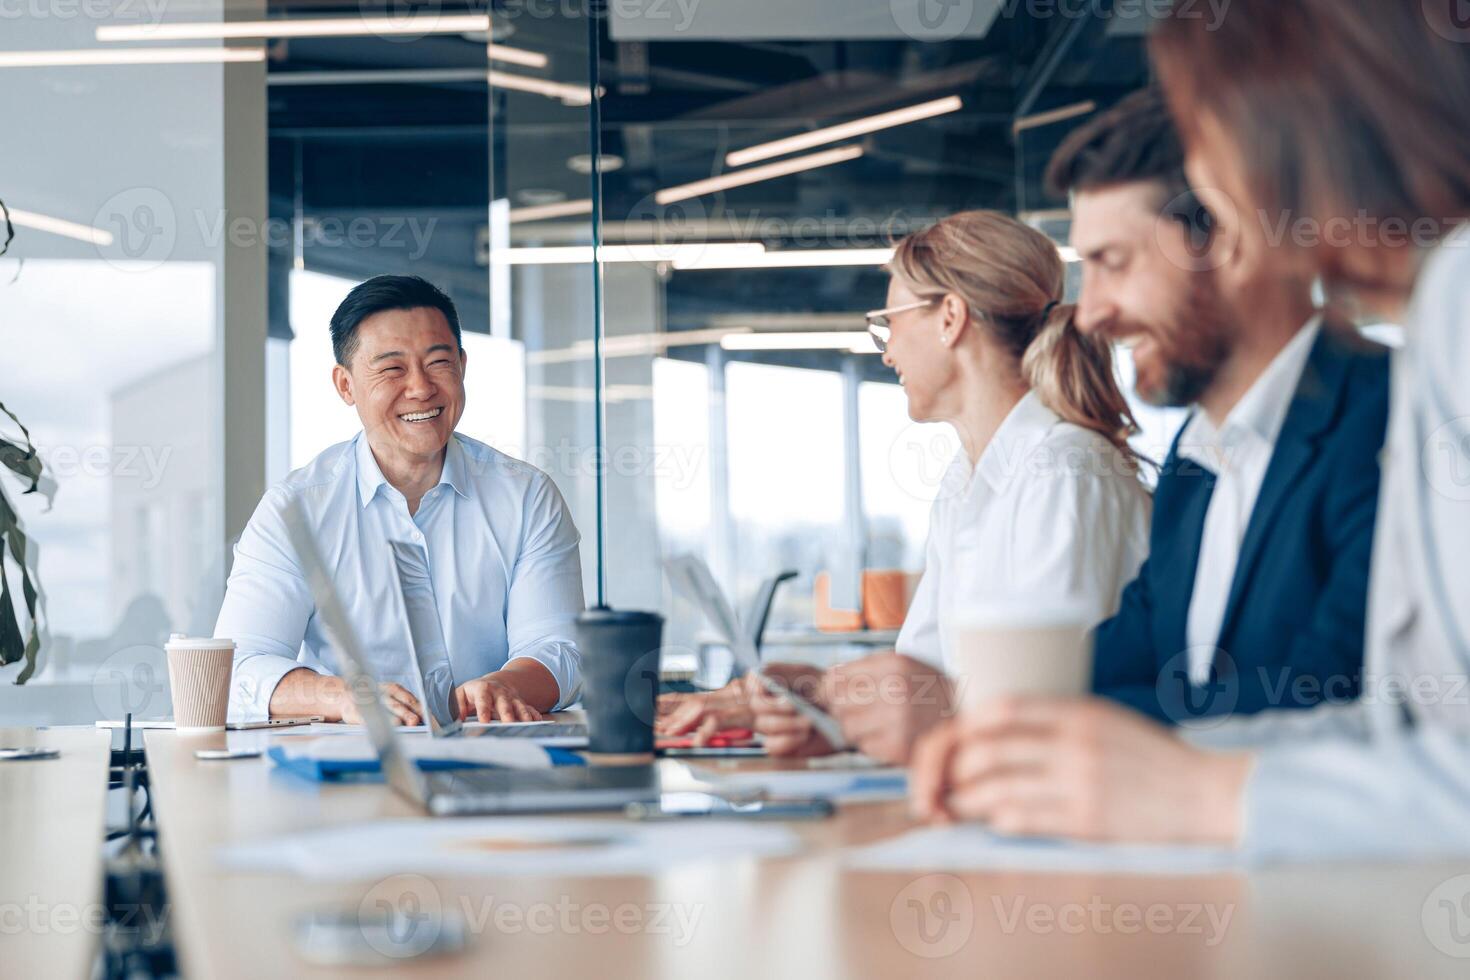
<point>661,223</point>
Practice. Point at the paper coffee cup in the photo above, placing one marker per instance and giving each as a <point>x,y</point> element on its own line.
<point>199,671</point>
<point>1018,648</point>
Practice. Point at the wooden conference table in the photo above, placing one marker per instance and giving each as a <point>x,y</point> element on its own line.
<point>52,820</point>
<point>803,916</point>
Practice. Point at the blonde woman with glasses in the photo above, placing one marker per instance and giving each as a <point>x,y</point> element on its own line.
<point>1044,500</point>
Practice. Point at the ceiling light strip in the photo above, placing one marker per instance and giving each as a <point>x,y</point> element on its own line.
<point>541,212</point>
<point>1053,116</point>
<point>60,226</point>
<point>854,341</point>
<point>756,175</point>
<point>129,56</point>
<point>842,131</point>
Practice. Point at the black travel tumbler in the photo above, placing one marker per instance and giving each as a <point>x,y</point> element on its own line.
<point>620,663</point>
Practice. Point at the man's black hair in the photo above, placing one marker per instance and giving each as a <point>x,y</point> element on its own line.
<point>387,293</point>
<point>1135,141</point>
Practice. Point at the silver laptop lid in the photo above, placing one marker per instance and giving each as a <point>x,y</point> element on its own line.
<point>435,687</point>
<point>400,772</point>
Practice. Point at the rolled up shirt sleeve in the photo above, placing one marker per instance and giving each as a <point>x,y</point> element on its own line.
<point>546,591</point>
<point>266,608</point>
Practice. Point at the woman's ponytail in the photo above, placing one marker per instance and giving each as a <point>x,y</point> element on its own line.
<point>1074,376</point>
<point>1010,275</point>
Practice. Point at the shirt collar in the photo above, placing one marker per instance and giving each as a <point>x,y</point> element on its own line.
<point>1025,427</point>
<point>1261,412</point>
<point>370,478</point>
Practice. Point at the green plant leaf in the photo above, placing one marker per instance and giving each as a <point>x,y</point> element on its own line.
<point>24,462</point>
<point>9,229</point>
<point>14,647</point>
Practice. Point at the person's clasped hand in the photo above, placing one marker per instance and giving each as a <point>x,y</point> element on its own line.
<point>1076,767</point>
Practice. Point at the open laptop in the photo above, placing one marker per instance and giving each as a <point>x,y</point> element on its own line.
<point>432,679</point>
<point>461,792</point>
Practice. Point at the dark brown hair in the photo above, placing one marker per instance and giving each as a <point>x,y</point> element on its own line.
<point>1012,277</point>
<point>1335,107</point>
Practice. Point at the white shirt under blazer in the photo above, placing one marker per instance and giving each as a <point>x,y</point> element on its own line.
<point>1052,511</point>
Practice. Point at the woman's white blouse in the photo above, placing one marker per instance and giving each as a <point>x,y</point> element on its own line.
<point>1051,511</point>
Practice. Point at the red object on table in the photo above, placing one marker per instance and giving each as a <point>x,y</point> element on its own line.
<point>727,738</point>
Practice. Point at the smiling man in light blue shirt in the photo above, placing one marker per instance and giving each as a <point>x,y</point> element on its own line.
<point>502,548</point>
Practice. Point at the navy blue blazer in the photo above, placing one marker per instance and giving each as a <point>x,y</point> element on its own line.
<point>1292,635</point>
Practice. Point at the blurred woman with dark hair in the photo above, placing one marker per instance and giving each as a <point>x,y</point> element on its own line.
<point>1331,139</point>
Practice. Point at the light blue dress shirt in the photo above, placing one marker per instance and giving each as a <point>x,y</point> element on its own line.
<point>503,557</point>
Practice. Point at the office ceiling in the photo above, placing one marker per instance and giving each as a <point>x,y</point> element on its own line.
<point>384,127</point>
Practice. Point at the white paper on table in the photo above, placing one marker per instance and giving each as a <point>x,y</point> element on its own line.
<point>863,785</point>
<point>505,846</point>
<point>970,847</point>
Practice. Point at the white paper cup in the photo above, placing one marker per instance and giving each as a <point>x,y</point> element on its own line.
<point>199,671</point>
<point>1018,648</point>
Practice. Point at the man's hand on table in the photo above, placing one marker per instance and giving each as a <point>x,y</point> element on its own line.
<point>1081,768</point>
<point>302,693</point>
<point>493,697</point>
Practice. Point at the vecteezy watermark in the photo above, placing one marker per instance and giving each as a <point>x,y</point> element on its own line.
<point>1445,916</point>
<point>1100,917</point>
<point>402,916</point>
<point>35,917</point>
<point>112,11</point>
<point>133,681</point>
<point>677,465</point>
<point>1445,460</point>
<point>1450,19</point>
<point>1141,12</point>
<point>933,916</point>
<point>144,463</point>
<point>142,228</point>
<point>400,20</point>
<point>920,461</point>
<point>565,917</point>
<point>932,20</point>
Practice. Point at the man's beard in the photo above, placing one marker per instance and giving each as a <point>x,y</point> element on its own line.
<point>1210,328</point>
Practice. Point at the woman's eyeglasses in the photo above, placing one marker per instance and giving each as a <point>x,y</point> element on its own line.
<point>880,322</point>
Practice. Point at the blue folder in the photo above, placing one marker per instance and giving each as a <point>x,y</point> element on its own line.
<point>368,770</point>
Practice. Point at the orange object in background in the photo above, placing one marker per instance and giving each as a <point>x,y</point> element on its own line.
<point>885,599</point>
<point>885,594</point>
<point>831,620</point>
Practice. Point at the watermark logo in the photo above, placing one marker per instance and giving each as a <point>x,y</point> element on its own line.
<point>1198,705</point>
<point>400,917</point>
<point>676,231</point>
<point>1199,231</point>
<point>1446,460</point>
<point>919,459</point>
<point>933,916</point>
<point>400,20</point>
<point>932,20</point>
<point>1446,917</point>
<point>144,229</point>
<point>132,681</point>
<point>1450,19</point>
